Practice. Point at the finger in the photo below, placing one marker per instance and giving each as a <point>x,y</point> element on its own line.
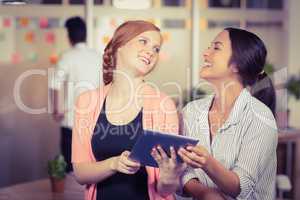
<point>133,170</point>
<point>157,157</point>
<point>130,163</point>
<point>162,152</point>
<point>126,153</point>
<point>173,153</point>
<point>127,161</point>
<point>199,150</point>
<point>123,168</point>
<point>191,154</point>
<point>182,153</point>
<point>183,166</point>
<point>128,170</point>
<point>190,162</point>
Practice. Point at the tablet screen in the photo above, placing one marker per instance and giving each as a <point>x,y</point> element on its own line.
<point>141,150</point>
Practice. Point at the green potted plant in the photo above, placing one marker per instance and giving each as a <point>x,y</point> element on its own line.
<point>269,68</point>
<point>193,94</point>
<point>57,173</point>
<point>293,86</point>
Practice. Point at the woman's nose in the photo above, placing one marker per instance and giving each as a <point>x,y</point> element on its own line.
<point>149,52</point>
<point>205,54</point>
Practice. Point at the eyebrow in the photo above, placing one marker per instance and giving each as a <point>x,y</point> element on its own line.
<point>218,43</point>
<point>146,38</point>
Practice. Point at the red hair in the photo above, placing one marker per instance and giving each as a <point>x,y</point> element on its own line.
<point>124,33</point>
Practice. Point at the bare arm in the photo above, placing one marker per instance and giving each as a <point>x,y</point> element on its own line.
<point>226,180</point>
<point>91,173</point>
<point>197,190</point>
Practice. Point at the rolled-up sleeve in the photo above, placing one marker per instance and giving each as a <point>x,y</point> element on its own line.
<point>188,175</point>
<point>257,156</point>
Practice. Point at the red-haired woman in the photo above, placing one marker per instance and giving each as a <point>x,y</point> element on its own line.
<point>109,120</point>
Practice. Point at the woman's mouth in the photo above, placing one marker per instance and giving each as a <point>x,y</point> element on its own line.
<point>207,64</point>
<point>145,60</point>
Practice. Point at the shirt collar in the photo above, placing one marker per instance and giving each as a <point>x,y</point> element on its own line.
<point>238,109</point>
<point>235,114</point>
<point>80,45</point>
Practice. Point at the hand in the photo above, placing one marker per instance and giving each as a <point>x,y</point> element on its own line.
<point>196,157</point>
<point>58,117</point>
<point>124,165</point>
<point>170,169</point>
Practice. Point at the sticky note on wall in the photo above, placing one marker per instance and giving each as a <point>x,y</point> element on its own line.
<point>6,23</point>
<point>32,56</point>
<point>50,37</point>
<point>43,22</point>
<point>16,58</point>
<point>29,37</point>
<point>53,58</point>
<point>23,22</point>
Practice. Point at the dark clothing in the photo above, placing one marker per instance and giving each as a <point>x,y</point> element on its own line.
<point>66,146</point>
<point>111,140</point>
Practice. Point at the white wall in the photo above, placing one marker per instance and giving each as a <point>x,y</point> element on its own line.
<point>293,55</point>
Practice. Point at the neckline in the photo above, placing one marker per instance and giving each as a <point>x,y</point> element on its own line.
<point>137,117</point>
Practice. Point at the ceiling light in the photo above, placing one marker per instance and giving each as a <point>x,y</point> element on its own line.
<point>132,4</point>
<point>13,2</point>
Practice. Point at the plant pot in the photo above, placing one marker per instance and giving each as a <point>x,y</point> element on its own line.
<point>57,185</point>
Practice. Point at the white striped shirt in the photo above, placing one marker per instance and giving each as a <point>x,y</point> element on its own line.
<point>245,144</point>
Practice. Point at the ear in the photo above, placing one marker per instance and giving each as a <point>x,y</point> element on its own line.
<point>234,68</point>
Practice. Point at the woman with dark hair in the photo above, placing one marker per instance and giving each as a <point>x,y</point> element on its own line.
<point>109,120</point>
<point>236,154</point>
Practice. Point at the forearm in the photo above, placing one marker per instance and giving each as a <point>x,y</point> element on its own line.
<point>194,188</point>
<point>199,191</point>
<point>91,173</point>
<point>167,187</point>
<point>226,180</point>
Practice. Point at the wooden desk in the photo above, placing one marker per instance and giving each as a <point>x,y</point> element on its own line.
<point>293,136</point>
<point>41,190</point>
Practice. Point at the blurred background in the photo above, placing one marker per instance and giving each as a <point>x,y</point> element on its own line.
<point>32,36</point>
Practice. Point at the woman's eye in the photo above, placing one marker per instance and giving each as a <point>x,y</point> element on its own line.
<point>157,49</point>
<point>216,47</point>
<point>143,41</point>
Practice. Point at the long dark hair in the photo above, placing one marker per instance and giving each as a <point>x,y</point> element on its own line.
<point>249,56</point>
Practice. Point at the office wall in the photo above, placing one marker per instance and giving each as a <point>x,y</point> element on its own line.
<point>27,141</point>
<point>293,55</point>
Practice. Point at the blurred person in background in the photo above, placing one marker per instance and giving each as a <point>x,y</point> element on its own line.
<point>78,69</point>
<point>236,154</point>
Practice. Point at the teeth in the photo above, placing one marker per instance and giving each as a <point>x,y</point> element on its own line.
<point>146,60</point>
<point>207,64</point>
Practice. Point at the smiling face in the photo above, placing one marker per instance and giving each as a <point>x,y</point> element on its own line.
<point>140,54</point>
<point>216,60</point>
